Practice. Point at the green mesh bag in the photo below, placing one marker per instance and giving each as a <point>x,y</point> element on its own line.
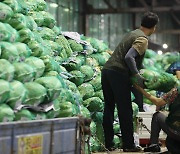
<point>46,33</point>
<point>53,86</point>
<point>93,104</point>
<point>23,50</point>
<point>6,70</point>
<point>85,112</point>
<point>25,35</point>
<point>87,71</point>
<point>4,91</point>
<point>18,21</point>
<point>96,83</point>
<point>17,94</point>
<point>37,48</point>
<point>9,52</point>
<point>5,12</point>
<point>91,62</point>
<point>30,23</point>
<point>24,115</point>
<point>86,90</point>
<point>135,109</point>
<point>97,117</point>
<point>13,4</point>
<point>76,47</point>
<point>6,113</point>
<point>77,77</point>
<point>37,64</point>
<point>36,93</point>
<point>99,94</point>
<point>23,72</point>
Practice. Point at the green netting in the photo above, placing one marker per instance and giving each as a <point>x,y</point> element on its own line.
<point>37,64</point>
<point>23,50</point>
<point>23,72</point>
<point>53,86</point>
<point>39,115</point>
<point>97,117</point>
<point>150,53</point>
<point>37,48</point>
<point>6,12</point>
<point>99,94</point>
<point>6,70</point>
<point>116,128</point>
<point>86,90</point>
<point>24,115</point>
<point>75,46</point>
<point>17,94</point>
<point>46,33</point>
<point>4,91</point>
<point>85,112</point>
<point>9,52</point>
<point>26,35</point>
<point>66,95</point>
<point>38,18</point>
<point>87,71</point>
<point>13,4</point>
<point>49,20</point>
<point>67,109</point>
<point>40,5</point>
<point>57,30</point>
<point>117,142</point>
<point>77,77</point>
<point>30,23</point>
<point>63,42</point>
<point>96,83</point>
<point>35,93</point>
<point>99,58</point>
<point>50,64</point>
<point>91,62</point>
<point>94,104</point>
<point>6,113</point>
<point>18,21</point>
<point>73,63</point>
<point>100,133</point>
<point>95,145</point>
<point>93,128</point>
<point>135,109</point>
<point>159,81</point>
<point>56,48</point>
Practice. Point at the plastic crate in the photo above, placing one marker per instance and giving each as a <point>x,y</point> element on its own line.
<point>54,136</point>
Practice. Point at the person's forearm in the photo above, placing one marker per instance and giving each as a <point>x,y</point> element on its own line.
<point>130,60</point>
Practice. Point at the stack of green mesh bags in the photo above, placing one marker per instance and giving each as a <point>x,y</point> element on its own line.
<point>45,74</point>
<point>159,80</point>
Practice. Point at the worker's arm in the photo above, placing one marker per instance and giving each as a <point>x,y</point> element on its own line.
<point>168,97</point>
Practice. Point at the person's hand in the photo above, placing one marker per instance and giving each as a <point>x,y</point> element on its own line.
<point>139,80</point>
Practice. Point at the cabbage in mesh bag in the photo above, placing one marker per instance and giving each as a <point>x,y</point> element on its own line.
<point>53,86</point>
<point>99,94</point>
<point>18,21</point>
<point>36,47</point>
<point>50,64</point>
<point>24,115</point>
<point>5,12</point>
<point>23,72</point>
<point>23,50</point>
<point>37,64</point>
<point>73,63</point>
<point>75,46</point>
<point>96,83</point>
<point>94,104</point>
<point>46,33</point>
<point>86,90</point>
<point>35,93</point>
<point>13,4</point>
<point>6,70</point>
<point>87,71</point>
<point>26,35</point>
<point>17,94</point>
<point>8,33</point>
<point>9,52</point>
<point>4,91</point>
<point>6,113</point>
<point>91,62</point>
<point>67,109</point>
<point>30,23</point>
<point>77,77</point>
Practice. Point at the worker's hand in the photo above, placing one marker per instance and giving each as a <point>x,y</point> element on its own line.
<point>139,80</point>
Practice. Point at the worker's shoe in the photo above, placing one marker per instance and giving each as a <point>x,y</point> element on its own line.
<point>153,148</point>
<point>111,149</point>
<point>135,149</point>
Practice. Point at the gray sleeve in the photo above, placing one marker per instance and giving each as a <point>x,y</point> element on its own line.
<point>130,60</point>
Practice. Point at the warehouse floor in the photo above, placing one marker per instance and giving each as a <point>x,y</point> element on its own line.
<point>163,150</point>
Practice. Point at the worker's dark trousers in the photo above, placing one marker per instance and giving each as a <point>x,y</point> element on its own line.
<point>138,98</point>
<point>117,89</point>
<point>158,123</point>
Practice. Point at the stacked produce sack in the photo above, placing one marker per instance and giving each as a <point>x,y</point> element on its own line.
<point>46,73</point>
<point>159,78</point>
